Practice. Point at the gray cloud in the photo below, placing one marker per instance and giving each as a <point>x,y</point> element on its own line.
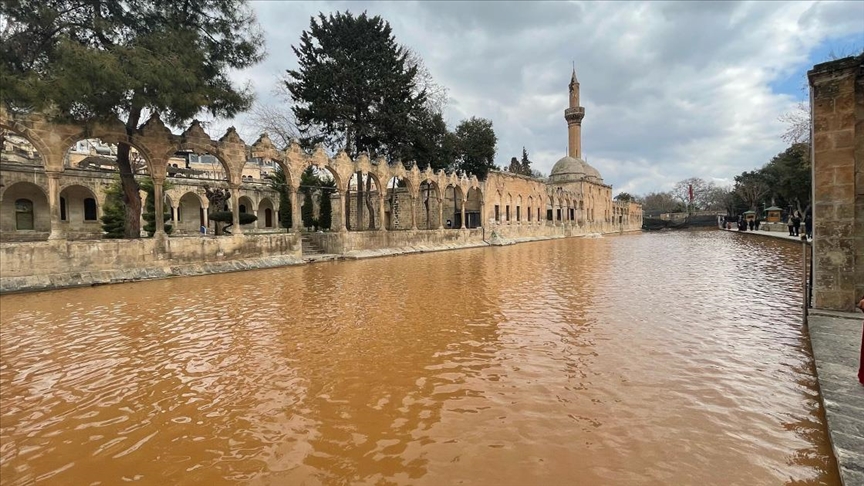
<point>671,90</point>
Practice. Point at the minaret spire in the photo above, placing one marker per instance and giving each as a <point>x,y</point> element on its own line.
<point>574,115</point>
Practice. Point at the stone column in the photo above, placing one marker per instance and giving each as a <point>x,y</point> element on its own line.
<point>413,213</point>
<point>159,206</point>
<point>175,210</point>
<point>381,212</point>
<point>296,214</point>
<point>206,216</point>
<point>837,106</point>
<point>339,215</point>
<point>54,205</point>
<point>440,213</point>
<point>235,209</point>
<point>464,226</point>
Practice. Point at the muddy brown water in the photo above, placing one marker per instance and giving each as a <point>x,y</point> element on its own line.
<point>674,358</point>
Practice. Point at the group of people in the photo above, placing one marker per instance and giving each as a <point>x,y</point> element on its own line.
<point>794,224</point>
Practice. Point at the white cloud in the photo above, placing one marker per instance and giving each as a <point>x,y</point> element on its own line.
<point>671,90</point>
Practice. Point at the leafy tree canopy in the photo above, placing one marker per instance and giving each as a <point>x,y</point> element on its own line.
<point>477,146</point>
<point>353,87</point>
<point>100,59</point>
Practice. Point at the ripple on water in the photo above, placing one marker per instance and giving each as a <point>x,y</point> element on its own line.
<point>671,358</point>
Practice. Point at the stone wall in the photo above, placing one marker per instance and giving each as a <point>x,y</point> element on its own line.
<point>837,100</point>
<point>356,241</point>
<point>65,263</point>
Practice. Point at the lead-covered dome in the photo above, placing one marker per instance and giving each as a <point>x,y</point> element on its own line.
<point>592,173</point>
<point>568,169</point>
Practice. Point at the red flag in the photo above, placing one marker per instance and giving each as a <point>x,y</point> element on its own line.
<point>691,192</point>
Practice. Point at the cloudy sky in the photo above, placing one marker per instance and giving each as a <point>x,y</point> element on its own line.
<point>670,90</point>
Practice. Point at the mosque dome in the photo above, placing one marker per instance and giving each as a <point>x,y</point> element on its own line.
<point>568,169</point>
<point>591,172</point>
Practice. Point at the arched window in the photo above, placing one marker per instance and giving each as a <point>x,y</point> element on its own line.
<point>89,209</point>
<point>268,218</point>
<point>242,208</point>
<point>63,216</point>
<point>23,214</point>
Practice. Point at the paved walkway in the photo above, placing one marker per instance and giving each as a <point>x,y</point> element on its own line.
<point>783,235</point>
<point>836,340</point>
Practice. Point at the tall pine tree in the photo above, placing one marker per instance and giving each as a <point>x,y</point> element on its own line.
<point>102,59</point>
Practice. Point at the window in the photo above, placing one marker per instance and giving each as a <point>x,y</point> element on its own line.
<point>89,209</point>
<point>63,216</point>
<point>507,212</point>
<point>24,214</point>
<point>497,213</point>
<point>268,218</point>
<point>518,213</point>
<point>242,208</point>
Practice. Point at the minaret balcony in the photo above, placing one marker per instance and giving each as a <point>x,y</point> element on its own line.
<point>574,115</point>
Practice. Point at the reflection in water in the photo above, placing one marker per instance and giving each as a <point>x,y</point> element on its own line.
<point>649,359</point>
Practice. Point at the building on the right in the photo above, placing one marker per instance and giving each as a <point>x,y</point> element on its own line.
<point>837,112</point>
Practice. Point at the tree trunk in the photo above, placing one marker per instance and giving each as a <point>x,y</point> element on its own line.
<point>369,206</point>
<point>392,205</point>
<point>131,194</point>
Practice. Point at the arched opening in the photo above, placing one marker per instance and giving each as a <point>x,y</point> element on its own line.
<point>81,212</point>
<point>530,208</point>
<point>397,205</point>
<point>246,206</point>
<point>518,208</point>
<point>452,211</point>
<point>508,204</point>
<point>24,213</point>
<point>265,214</point>
<point>473,206</point>
<point>190,215</point>
<point>318,198</point>
<point>16,150</point>
<point>428,208</point>
<point>549,209</point>
<point>362,202</point>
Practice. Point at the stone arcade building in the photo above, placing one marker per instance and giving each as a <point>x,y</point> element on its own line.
<point>57,202</point>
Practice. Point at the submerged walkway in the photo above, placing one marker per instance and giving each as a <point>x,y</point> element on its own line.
<point>835,338</point>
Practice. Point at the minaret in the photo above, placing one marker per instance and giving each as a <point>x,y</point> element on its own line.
<point>574,115</point>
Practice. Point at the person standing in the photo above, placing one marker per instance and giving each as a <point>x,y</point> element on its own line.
<point>790,223</point>
<point>861,361</point>
<point>808,226</point>
<point>796,223</point>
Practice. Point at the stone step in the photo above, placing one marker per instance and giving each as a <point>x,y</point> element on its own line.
<point>309,247</point>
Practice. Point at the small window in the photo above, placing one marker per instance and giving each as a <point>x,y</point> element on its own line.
<point>24,214</point>
<point>242,208</point>
<point>89,209</point>
<point>63,216</point>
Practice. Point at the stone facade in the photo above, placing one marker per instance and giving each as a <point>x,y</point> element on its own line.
<point>837,101</point>
<point>59,200</point>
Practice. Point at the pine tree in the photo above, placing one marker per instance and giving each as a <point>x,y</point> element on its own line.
<point>325,219</point>
<point>94,60</point>
<point>526,164</point>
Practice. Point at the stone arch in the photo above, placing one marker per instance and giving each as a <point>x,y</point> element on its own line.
<point>363,206</point>
<point>80,210</point>
<point>19,130</point>
<point>266,214</point>
<point>529,210</point>
<point>452,206</point>
<point>24,212</point>
<point>190,213</point>
<point>99,154</point>
<point>550,209</point>
<point>428,205</point>
<point>474,208</point>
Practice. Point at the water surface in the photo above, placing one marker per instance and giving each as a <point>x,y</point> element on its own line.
<point>674,358</point>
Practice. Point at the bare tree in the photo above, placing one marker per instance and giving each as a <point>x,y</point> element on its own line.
<point>276,120</point>
<point>798,120</point>
<point>751,190</point>
<point>436,95</point>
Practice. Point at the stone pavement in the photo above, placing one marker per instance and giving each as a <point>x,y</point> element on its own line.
<point>783,235</point>
<point>836,339</point>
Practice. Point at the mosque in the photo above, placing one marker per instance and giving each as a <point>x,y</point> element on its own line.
<point>54,179</point>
